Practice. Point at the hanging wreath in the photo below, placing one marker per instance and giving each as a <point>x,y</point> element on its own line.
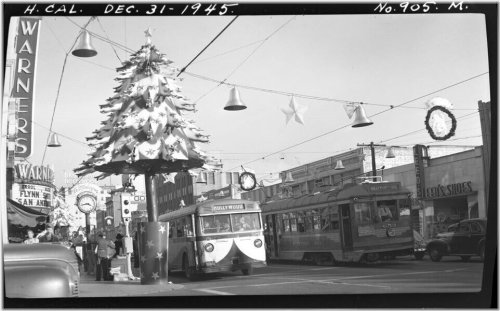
<point>430,130</point>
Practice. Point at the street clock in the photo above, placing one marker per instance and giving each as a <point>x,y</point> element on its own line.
<point>86,202</point>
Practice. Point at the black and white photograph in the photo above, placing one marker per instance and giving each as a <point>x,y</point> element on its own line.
<point>249,155</point>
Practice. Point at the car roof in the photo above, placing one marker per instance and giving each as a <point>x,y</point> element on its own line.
<point>20,252</point>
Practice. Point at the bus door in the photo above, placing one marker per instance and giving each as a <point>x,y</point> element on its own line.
<point>345,222</point>
<point>271,235</point>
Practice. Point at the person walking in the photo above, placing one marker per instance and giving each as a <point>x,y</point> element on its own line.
<point>118,245</point>
<point>31,238</point>
<point>103,257</point>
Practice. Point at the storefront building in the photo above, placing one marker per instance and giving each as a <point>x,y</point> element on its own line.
<point>445,189</point>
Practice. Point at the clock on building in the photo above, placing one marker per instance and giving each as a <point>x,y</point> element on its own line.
<point>86,203</point>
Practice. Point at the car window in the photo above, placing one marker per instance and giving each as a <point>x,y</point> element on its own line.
<point>475,227</point>
<point>464,228</point>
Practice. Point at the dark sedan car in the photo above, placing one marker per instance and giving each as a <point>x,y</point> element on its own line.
<point>465,239</point>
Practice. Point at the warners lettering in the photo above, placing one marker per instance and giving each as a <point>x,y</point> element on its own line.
<point>230,207</point>
<point>31,172</point>
<point>448,190</point>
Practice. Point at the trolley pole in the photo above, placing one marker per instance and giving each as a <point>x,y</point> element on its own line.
<point>372,149</point>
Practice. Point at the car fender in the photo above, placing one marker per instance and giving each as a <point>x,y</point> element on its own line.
<point>481,243</point>
<point>36,282</point>
<point>439,244</point>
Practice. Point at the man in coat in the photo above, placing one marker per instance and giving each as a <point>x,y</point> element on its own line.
<point>103,257</point>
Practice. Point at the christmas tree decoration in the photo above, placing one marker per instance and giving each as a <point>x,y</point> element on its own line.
<point>146,130</point>
<point>295,111</point>
<point>437,120</point>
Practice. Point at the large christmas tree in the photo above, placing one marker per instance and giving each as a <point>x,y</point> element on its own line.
<point>145,131</point>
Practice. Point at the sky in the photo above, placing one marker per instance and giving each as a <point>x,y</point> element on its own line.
<point>380,60</point>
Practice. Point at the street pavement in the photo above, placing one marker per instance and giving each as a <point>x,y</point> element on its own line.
<point>89,287</point>
<point>402,275</point>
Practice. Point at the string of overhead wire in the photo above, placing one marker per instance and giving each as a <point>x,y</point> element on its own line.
<point>106,34</point>
<point>206,47</point>
<point>59,88</point>
<point>374,115</point>
<point>245,60</point>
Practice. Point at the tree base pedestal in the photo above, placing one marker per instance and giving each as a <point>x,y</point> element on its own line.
<point>153,252</point>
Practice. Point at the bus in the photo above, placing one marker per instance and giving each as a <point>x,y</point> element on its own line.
<point>365,221</point>
<point>214,236</point>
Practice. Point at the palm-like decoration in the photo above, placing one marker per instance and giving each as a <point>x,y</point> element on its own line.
<point>145,131</point>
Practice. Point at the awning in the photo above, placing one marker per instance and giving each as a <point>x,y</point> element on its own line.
<point>18,214</point>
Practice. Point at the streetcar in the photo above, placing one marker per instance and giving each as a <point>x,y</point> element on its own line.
<point>214,236</point>
<point>365,221</point>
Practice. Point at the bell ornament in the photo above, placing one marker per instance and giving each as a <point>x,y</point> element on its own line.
<point>234,103</point>
<point>84,47</point>
<point>53,140</point>
<point>360,118</point>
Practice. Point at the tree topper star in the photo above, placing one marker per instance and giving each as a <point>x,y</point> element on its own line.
<point>296,111</point>
<point>149,33</point>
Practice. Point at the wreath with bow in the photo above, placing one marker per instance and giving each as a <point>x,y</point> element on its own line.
<point>449,114</point>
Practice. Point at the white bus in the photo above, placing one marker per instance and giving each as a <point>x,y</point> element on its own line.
<point>215,235</point>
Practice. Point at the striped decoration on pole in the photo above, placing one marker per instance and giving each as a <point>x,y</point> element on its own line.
<point>153,251</point>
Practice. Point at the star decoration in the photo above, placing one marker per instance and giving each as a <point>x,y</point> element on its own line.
<point>159,255</point>
<point>295,110</point>
<point>169,177</point>
<point>162,229</point>
<point>150,244</point>
<point>142,275</point>
<point>150,151</point>
<point>155,275</point>
<point>143,258</point>
<point>143,229</point>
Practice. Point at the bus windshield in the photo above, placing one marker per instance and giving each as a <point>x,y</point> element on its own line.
<point>230,223</point>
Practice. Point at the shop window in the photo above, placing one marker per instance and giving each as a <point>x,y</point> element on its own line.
<point>286,223</point>
<point>180,224</point>
<point>188,228</point>
<point>172,228</point>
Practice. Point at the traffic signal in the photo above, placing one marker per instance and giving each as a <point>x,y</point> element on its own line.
<point>126,208</point>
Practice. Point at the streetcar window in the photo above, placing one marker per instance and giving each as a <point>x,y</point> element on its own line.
<point>215,224</point>
<point>188,228</point>
<point>387,210</point>
<point>301,218</point>
<point>308,223</point>
<point>316,222</point>
<point>362,213</point>
<point>244,222</point>
<point>293,224</point>
<point>329,220</point>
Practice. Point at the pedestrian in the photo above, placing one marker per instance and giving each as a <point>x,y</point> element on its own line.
<point>118,245</point>
<point>47,235</point>
<point>31,238</point>
<point>103,257</point>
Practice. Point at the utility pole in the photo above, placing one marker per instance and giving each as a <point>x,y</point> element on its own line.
<point>372,149</point>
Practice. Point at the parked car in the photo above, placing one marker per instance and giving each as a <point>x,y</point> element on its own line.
<point>43,270</point>
<point>464,239</point>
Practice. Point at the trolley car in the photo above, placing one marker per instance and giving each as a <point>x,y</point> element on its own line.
<point>216,235</point>
<point>361,222</point>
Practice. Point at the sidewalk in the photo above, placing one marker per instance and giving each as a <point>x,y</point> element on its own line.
<point>89,287</point>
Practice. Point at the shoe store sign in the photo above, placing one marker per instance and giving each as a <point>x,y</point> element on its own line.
<point>448,190</point>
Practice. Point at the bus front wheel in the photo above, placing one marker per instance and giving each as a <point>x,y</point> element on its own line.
<point>247,271</point>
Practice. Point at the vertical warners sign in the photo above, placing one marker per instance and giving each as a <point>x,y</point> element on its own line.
<point>24,82</point>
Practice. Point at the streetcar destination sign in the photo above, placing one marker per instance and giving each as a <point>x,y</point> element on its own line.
<point>229,207</point>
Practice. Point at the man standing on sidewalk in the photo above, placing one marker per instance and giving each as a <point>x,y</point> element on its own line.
<point>103,256</point>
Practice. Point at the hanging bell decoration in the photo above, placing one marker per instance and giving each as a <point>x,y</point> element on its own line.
<point>200,179</point>
<point>289,178</point>
<point>84,47</point>
<point>360,118</point>
<point>390,153</point>
<point>234,103</point>
<point>339,165</point>
<point>53,141</point>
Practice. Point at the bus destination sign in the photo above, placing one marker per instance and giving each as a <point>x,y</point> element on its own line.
<point>229,207</point>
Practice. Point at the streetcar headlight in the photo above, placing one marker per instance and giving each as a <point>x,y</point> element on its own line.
<point>209,247</point>
<point>257,243</point>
